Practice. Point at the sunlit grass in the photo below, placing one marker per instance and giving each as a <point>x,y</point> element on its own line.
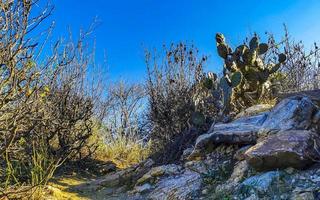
<point>124,151</point>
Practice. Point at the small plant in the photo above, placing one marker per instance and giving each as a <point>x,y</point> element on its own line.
<point>125,151</point>
<point>42,169</point>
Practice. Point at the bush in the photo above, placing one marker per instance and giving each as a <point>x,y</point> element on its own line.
<point>302,68</point>
<point>173,82</point>
<point>48,109</point>
<point>123,128</point>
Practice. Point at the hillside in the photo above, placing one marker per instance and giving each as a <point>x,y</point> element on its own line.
<point>266,154</point>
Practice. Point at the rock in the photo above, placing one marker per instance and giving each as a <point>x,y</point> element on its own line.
<point>204,191</point>
<point>197,166</point>
<point>293,113</point>
<point>207,141</point>
<point>156,172</point>
<point>262,182</point>
<point>293,148</point>
<point>186,153</point>
<point>254,110</point>
<point>303,196</point>
<point>250,121</point>
<point>181,187</point>
<point>240,171</point>
<point>299,184</point>
<point>143,188</point>
<point>239,155</point>
<point>125,177</point>
<point>316,117</point>
<point>314,95</point>
<point>107,167</point>
<point>242,131</point>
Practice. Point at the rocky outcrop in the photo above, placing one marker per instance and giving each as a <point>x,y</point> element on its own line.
<point>293,148</point>
<point>284,137</point>
<point>181,187</point>
<point>293,113</point>
<point>314,95</point>
<point>156,172</point>
<point>254,110</point>
<point>281,184</point>
<point>265,156</point>
<point>242,131</point>
<point>239,172</point>
<point>262,182</point>
<point>240,153</point>
<point>124,177</point>
<point>168,182</point>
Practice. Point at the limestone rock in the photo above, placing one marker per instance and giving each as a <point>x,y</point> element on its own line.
<point>239,155</point>
<point>249,121</point>
<point>293,148</point>
<point>239,172</point>
<point>303,196</point>
<point>314,95</point>
<point>262,182</point>
<point>293,113</point>
<point>125,177</point>
<point>299,184</point>
<point>156,172</point>
<point>143,188</point>
<point>181,187</point>
<point>254,110</point>
<point>186,153</point>
<point>242,131</point>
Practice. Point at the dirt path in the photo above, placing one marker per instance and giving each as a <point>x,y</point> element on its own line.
<point>82,188</point>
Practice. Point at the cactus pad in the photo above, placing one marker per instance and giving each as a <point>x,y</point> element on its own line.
<point>236,79</point>
<point>263,48</point>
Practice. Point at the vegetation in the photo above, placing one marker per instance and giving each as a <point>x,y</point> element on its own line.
<point>124,126</point>
<point>59,110</point>
<point>245,73</point>
<point>178,98</point>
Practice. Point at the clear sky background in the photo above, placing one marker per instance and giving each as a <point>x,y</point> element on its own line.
<point>129,26</point>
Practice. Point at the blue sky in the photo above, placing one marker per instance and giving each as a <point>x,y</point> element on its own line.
<point>128,26</point>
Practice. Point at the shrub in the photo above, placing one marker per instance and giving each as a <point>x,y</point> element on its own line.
<point>123,129</point>
<point>71,102</point>
<point>173,81</point>
<point>302,68</point>
<point>48,109</point>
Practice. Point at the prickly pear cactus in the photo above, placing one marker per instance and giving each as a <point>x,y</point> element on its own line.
<point>207,100</point>
<point>245,76</point>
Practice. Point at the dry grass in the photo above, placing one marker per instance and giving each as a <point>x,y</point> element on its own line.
<point>124,151</point>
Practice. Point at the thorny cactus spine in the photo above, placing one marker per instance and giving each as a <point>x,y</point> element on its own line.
<point>245,74</point>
